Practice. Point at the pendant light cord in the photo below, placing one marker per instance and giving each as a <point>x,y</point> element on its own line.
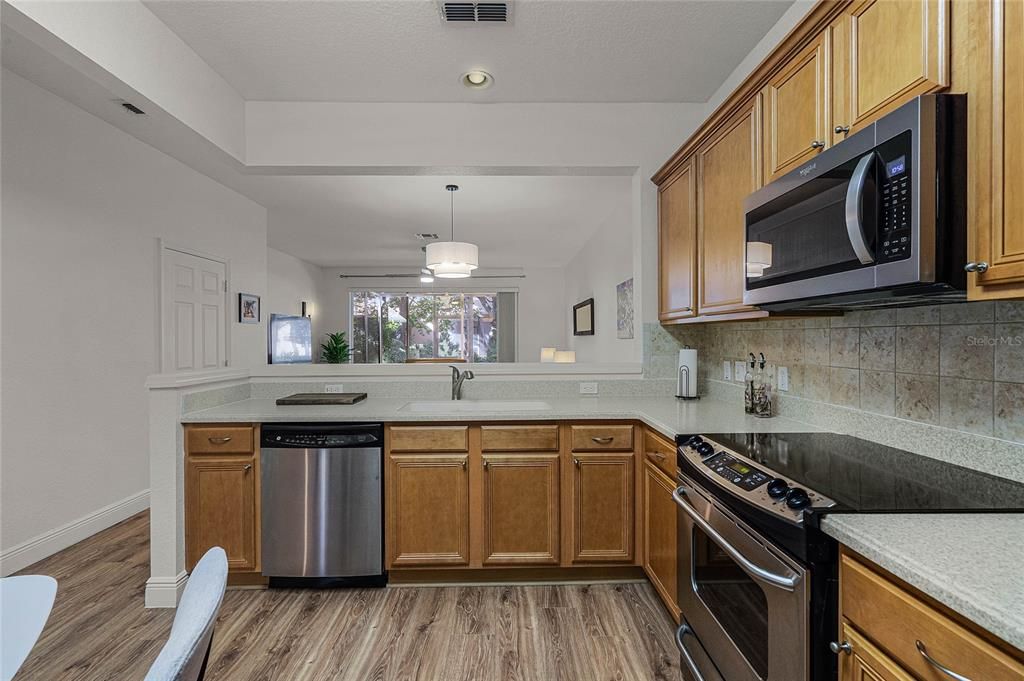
<point>453,214</point>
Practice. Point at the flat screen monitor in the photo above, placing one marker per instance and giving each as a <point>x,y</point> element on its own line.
<point>290,341</point>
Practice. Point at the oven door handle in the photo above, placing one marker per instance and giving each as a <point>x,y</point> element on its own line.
<point>854,216</point>
<point>759,573</point>
<point>682,631</point>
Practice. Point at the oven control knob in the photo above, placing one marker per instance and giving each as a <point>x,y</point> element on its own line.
<point>777,488</point>
<point>705,450</point>
<point>797,498</point>
<point>694,441</point>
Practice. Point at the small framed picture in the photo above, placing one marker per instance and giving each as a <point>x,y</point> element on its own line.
<point>583,318</point>
<point>248,308</point>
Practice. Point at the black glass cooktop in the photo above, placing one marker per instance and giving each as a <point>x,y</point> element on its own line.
<point>866,477</point>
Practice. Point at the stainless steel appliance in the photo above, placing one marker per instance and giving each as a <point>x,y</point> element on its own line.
<point>322,504</point>
<point>757,577</point>
<point>877,220</point>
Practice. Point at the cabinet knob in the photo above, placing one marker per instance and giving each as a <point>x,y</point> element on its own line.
<point>487,464</point>
<point>576,461</point>
<point>843,647</point>
<point>817,144</point>
<point>248,467</point>
<point>979,267</point>
<point>463,464</point>
<point>841,130</point>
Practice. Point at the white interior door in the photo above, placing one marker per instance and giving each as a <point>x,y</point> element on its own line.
<point>194,312</point>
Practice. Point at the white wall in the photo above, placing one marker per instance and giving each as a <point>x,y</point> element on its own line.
<point>84,204</point>
<point>542,309</point>
<point>291,281</point>
<point>603,262</point>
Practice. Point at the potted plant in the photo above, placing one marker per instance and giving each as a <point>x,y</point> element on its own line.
<point>335,350</point>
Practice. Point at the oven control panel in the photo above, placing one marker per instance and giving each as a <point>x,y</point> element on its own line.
<point>896,211</point>
<point>752,482</point>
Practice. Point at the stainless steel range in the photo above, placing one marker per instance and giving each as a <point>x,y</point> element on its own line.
<point>757,577</point>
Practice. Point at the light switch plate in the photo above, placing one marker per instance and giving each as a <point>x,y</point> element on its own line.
<point>727,371</point>
<point>782,378</point>
<point>334,388</point>
<point>588,388</point>
<point>739,371</point>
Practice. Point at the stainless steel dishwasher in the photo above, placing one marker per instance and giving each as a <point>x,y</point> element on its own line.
<point>322,504</point>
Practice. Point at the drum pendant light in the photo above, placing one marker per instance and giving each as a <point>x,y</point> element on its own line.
<point>452,259</point>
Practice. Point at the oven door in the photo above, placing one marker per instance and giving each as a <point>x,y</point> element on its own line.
<point>747,604</point>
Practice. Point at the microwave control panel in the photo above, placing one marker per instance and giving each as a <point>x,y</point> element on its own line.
<point>897,205</point>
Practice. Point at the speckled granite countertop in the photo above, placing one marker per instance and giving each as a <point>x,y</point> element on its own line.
<point>972,563</point>
<point>667,415</point>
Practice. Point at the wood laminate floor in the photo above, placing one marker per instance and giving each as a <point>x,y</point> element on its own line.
<point>99,628</point>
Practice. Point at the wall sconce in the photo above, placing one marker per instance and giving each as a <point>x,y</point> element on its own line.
<point>565,356</point>
<point>547,355</point>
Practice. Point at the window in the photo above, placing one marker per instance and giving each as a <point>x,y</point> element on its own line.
<point>394,328</point>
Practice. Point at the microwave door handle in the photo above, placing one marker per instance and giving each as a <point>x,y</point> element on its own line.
<point>755,571</point>
<point>854,217</point>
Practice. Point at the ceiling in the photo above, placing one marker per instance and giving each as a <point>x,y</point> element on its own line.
<point>372,221</point>
<point>401,51</point>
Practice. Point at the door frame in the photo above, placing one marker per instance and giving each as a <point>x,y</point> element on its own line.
<point>163,246</point>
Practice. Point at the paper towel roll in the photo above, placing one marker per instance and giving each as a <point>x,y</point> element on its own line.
<point>686,375</point>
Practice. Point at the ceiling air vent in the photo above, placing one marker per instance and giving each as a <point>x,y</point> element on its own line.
<point>475,12</point>
<point>426,236</point>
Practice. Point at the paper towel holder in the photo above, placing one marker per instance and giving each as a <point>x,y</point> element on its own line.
<point>683,379</point>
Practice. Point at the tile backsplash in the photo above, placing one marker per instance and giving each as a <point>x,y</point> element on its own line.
<point>960,366</point>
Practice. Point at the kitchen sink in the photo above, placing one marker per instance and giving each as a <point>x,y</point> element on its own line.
<point>492,406</point>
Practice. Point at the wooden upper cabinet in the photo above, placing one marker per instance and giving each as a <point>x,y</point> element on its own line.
<point>427,503</point>
<point>602,508</point>
<point>221,509</point>
<point>520,509</point>
<point>795,105</point>
<point>996,165</point>
<point>677,245</point>
<point>728,169</point>
<point>885,53</point>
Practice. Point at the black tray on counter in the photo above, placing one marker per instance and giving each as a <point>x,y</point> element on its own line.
<point>321,398</point>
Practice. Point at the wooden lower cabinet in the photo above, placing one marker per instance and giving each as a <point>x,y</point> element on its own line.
<point>521,509</point>
<point>865,662</point>
<point>602,506</point>
<point>427,506</point>
<point>222,496</point>
<point>660,541</point>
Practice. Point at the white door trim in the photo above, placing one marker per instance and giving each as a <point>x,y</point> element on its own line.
<point>164,245</point>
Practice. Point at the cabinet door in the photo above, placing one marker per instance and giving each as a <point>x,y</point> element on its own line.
<point>220,503</point>
<point>794,112</point>
<point>520,509</point>
<point>602,508</point>
<point>894,50</point>
<point>428,510</point>
<point>728,169</point>
<point>865,662</point>
<point>996,164</point>
<point>660,535</point>
<point>677,245</point>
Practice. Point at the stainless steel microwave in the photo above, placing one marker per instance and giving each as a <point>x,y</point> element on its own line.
<point>877,220</point>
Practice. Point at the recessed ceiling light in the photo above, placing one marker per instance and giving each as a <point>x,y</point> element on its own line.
<point>477,80</point>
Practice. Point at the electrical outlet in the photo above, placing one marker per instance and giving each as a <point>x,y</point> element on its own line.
<point>726,371</point>
<point>334,388</point>
<point>739,371</point>
<point>588,388</point>
<point>782,378</point>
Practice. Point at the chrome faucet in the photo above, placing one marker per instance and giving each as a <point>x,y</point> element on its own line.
<point>458,377</point>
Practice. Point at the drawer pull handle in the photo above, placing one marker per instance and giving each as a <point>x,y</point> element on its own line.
<point>248,467</point>
<point>935,663</point>
<point>843,647</point>
<point>658,455</point>
<point>606,440</point>
<point>219,440</point>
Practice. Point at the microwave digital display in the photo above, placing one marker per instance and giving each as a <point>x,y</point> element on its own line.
<point>896,167</point>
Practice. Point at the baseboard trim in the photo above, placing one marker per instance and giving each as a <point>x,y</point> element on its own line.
<point>164,592</point>
<point>34,550</point>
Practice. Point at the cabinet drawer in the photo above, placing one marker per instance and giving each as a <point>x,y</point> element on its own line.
<point>429,438</point>
<point>219,440</point>
<point>897,621</point>
<point>519,438</point>
<point>660,452</point>
<point>599,438</point>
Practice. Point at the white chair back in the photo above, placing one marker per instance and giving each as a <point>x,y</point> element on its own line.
<point>183,657</point>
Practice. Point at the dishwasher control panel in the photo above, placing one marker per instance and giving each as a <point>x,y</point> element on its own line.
<point>325,437</point>
<point>322,441</point>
